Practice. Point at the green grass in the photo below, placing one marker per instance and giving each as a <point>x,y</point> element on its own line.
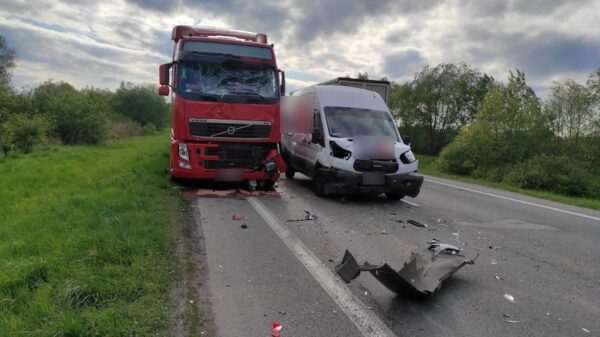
<point>428,165</point>
<point>86,240</point>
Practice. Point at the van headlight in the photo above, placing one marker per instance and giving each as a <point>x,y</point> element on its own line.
<point>183,152</point>
<point>407,157</point>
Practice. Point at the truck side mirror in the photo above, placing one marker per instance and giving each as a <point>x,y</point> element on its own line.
<point>163,73</point>
<point>406,140</point>
<point>282,87</point>
<point>163,90</point>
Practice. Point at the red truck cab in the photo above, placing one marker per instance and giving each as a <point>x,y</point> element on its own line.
<point>225,92</point>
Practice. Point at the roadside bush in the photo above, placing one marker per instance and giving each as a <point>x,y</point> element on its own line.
<point>125,128</point>
<point>149,129</point>
<point>22,133</point>
<point>141,104</point>
<point>558,174</point>
<point>26,131</point>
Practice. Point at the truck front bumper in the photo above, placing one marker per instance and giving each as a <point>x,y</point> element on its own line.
<point>346,183</point>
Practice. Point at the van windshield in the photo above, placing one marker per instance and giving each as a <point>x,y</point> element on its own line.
<point>352,122</point>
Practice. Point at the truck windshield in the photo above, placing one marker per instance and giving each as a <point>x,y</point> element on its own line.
<point>227,82</point>
<point>352,122</point>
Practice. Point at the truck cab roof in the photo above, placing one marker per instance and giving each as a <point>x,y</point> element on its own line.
<point>342,96</point>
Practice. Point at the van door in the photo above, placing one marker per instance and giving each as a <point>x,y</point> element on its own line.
<point>314,143</point>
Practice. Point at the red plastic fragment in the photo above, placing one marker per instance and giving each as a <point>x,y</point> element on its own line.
<point>276,329</point>
<point>238,217</point>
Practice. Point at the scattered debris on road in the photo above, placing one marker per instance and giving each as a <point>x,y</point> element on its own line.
<point>308,216</point>
<point>510,321</point>
<point>509,298</point>
<point>416,223</point>
<point>276,329</point>
<point>238,217</point>
<point>244,226</point>
<point>499,278</point>
<point>585,330</point>
<point>422,275</point>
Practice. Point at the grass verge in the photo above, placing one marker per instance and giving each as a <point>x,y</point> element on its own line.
<point>86,240</point>
<point>428,165</point>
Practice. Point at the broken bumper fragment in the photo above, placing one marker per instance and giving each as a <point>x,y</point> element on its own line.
<point>345,183</point>
<point>421,275</point>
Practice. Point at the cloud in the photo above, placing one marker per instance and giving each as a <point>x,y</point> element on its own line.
<point>87,42</point>
<point>404,64</point>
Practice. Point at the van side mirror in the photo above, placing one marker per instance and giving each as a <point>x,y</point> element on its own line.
<point>406,140</point>
<point>163,73</point>
<point>282,86</point>
<point>316,136</point>
<point>163,90</point>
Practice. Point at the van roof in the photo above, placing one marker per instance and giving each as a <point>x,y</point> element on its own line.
<point>342,96</point>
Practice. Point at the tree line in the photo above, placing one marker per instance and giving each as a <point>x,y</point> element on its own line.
<point>56,112</point>
<point>503,132</point>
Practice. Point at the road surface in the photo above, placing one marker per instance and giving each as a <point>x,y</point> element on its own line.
<point>543,254</point>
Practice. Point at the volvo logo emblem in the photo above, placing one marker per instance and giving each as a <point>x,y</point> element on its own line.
<point>230,130</point>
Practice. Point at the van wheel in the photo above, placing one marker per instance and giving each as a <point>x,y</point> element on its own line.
<point>290,172</point>
<point>394,196</point>
<point>319,184</point>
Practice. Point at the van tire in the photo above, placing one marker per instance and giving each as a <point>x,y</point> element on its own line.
<point>318,184</point>
<point>394,196</point>
<point>290,172</point>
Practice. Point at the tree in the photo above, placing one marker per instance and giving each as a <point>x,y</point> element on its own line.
<point>74,117</point>
<point>570,111</point>
<point>7,61</point>
<point>508,129</point>
<point>362,76</point>
<point>141,104</point>
<point>438,102</point>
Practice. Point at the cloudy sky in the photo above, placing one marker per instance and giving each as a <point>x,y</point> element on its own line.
<point>100,43</point>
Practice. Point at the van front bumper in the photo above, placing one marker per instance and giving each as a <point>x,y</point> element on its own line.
<point>346,183</point>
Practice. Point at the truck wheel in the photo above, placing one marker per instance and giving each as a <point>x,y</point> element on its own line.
<point>394,196</point>
<point>318,184</point>
<point>289,172</point>
<point>267,185</point>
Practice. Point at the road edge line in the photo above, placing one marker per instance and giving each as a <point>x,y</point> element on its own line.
<point>516,200</point>
<point>365,321</point>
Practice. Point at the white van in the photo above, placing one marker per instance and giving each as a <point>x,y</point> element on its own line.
<point>354,146</point>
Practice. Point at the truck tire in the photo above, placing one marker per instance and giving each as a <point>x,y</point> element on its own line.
<point>290,172</point>
<point>394,196</point>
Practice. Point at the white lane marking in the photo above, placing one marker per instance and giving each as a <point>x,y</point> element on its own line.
<point>410,203</point>
<point>516,200</point>
<point>366,321</point>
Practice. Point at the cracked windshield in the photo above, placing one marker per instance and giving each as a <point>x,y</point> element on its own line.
<point>218,80</point>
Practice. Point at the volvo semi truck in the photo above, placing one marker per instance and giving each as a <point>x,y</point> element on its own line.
<point>225,91</point>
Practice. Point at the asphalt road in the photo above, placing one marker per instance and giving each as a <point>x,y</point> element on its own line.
<point>542,253</point>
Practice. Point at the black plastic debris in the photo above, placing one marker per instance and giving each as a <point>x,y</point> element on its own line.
<point>416,223</point>
<point>308,216</point>
<point>422,275</point>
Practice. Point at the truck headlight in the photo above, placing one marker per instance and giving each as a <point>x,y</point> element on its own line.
<point>407,157</point>
<point>183,152</point>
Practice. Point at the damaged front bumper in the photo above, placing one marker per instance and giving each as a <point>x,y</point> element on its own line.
<point>422,275</point>
<point>346,183</point>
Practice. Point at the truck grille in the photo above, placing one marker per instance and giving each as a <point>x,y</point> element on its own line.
<point>219,128</point>
<point>237,155</point>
